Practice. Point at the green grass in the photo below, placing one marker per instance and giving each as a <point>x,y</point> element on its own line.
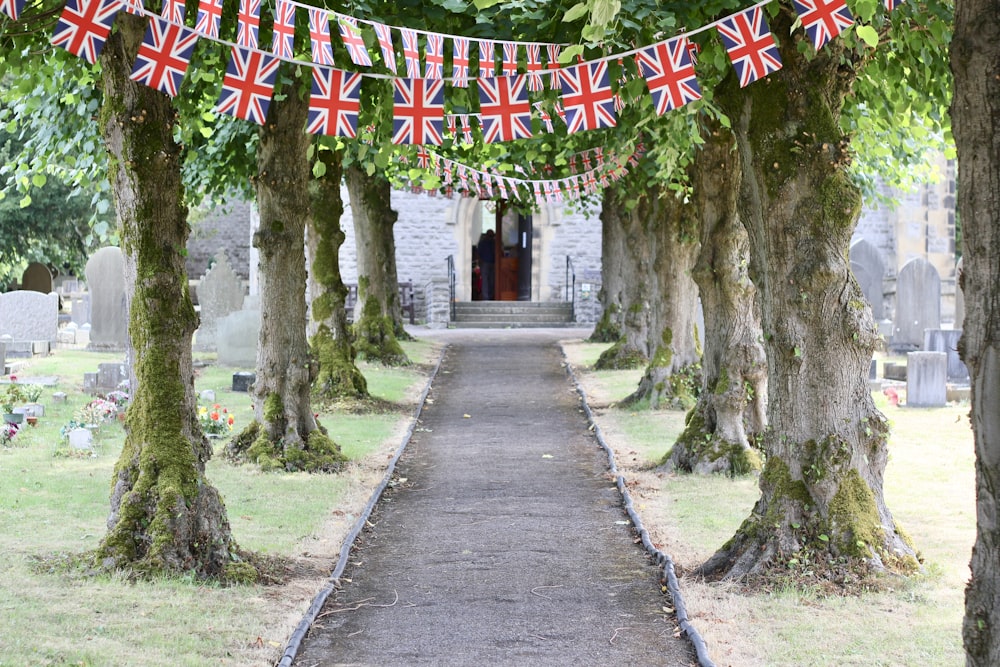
<point>53,505</point>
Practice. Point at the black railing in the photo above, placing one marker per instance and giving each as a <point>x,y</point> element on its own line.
<point>571,288</point>
<point>451,288</point>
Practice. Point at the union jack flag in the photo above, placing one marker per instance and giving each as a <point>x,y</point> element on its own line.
<point>248,85</point>
<point>353,40</point>
<point>334,103</point>
<point>892,4</point>
<point>434,57</point>
<point>209,17</point>
<point>553,64</point>
<point>411,52</point>
<point>384,35</point>
<point>669,74</point>
<point>319,36</point>
<point>504,108</point>
<point>12,8</point>
<point>423,158</point>
<point>460,62</point>
<point>588,100</point>
<point>487,59</point>
<point>823,19</point>
<point>544,116</point>
<point>173,10</point>
<point>466,128</point>
<point>283,42</point>
<point>164,56</point>
<point>133,7</point>
<point>249,23</point>
<point>509,65</point>
<point>84,26</point>
<point>418,111</point>
<point>750,45</point>
<point>534,65</point>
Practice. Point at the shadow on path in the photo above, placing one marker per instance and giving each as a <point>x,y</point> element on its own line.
<point>502,539</point>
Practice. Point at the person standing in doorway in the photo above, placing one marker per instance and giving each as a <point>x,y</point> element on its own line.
<point>487,263</point>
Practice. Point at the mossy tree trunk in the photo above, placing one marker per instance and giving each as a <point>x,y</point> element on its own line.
<point>822,485</point>
<point>285,434</point>
<point>378,317</point>
<point>339,376</point>
<point>165,516</point>
<point>733,399</point>
<point>609,327</point>
<point>975,61</point>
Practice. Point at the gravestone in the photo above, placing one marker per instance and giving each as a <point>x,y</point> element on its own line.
<point>918,304</point>
<point>80,308</point>
<point>81,438</point>
<point>108,310</point>
<point>243,380</point>
<point>28,316</point>
<point>110,376</point>
<point>869,270</point>
<point>236,337</point>
<point>946,340</point>
<point>926,379</point>
<point>37,278</point>
<point>220,293</point>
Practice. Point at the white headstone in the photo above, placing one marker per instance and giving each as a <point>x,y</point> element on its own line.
<point>29,316</point>
<point>220,292</point>
<point>236,339</point>
<point>926,379</point>
<point>81,438</point>
<point>918,304</point>
<point>108,310</point>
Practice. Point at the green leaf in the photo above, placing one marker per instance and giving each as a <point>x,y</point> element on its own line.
<point>319,169</point>
<point>824,538</point>
<point>868,34</point>
<point>576,12</point>
<point>38,180</point>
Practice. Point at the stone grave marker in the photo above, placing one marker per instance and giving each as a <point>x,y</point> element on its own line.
<point>108,310</point>
<point>81,438</point>
<point>918,304</point>
<point>220,293</point>
<point>926,379</point>
<point>37,278</point>
<point>869,270</point>
<point>236,336</point>
<point>946,340</point>
<point>27,316</point>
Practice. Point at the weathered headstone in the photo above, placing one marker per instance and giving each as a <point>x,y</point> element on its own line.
<point>236,338</point>
<point>243,380</point>
<point>37,278</point>
<point>918,304</point>
<point>926,379</point>
<point>869,270</point>
<point>81,438</point>
<point>108,310</point>
<point>946,340</point>
<point>110,376</point>
<point>80,308</point>
<point>220,293</point>
<point>28,316</point>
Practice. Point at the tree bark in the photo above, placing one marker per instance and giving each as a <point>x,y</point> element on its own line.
<point>378,318</point>
<point>822,497</point>
<point>975,62</point>
<point>285,434</point>
<point>733,397</point>
<point>165,516</point>
<point>339,376</point>
<point>609,328</point>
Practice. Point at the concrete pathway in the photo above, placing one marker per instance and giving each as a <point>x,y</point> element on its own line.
<point>503,541</point>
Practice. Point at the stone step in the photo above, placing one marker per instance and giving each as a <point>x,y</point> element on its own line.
<point>502,314</point>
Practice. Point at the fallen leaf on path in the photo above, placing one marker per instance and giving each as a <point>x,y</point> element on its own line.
<point>547,456</point>
<point>466,416</point>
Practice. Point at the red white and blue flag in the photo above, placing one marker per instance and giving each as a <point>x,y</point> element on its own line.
<point>209,17</point>
<point>509,65</point>
<point>534,66</point>
<point>319,37</point>
<point>434,57</point>
<point>823,19</point>
<point>411,52</point>
<point>84,25</point>
<point>173,10</point>
<point>505,113</point>
<point>460,62</point>
<point>418,111</point>
<point>587,98</point>
<point>750,45</point>
<point>552,50</point>
<point>283,42</point>
<point>164,56</point>
<point>892,4</point>
<point>334,103</point>
<point>248,85</point>
<point>353,40</point>
<point>384,35</point>
<point>248,25</point>
<point>669,74</point>
<point>12,8</point>
<point>487,59</point>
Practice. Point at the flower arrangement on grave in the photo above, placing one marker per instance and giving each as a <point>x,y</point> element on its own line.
<point>32,392</point>
<point>96,412</point>
<point>215,421</point>
<point>12,395</point>
<point>119,398</point>
<point>7,433</point>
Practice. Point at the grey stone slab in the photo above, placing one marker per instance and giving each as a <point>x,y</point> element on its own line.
<point>926,379</point>
<point>108,308</point>
<point>918,304</point>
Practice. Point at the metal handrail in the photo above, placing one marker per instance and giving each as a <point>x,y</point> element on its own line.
<point>571,286</point>
<point>451,288</point>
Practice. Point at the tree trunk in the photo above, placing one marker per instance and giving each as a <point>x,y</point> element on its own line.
<point>339,376</point>
<point>378,318</point>
<point>975,62</point>
<point>285,434</point>
<point>822,500</point>
<point>734,369</point>
<point>165,516</point>
<point>609,327</point>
